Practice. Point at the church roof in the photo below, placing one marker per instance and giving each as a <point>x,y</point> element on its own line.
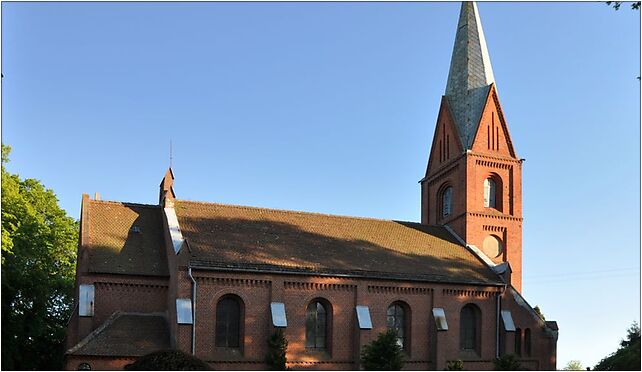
<point>124,238</point>
<point>470,75</point>
<point>229,237</point>
<point>126,334</point>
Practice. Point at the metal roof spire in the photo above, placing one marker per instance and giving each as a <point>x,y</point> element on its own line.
<point>470,73</point>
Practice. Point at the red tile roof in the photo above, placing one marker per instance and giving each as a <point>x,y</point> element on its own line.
<point>246,238</point>
<point>126,334</point>
<point>125,238</point>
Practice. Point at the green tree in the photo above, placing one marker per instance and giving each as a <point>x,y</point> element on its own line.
<point>383,354</point>
<point>277,348</point>
<point>507,362</point>
<point>627,357</point>
<point>574,365</point>
<point>38,264</point>
<point>616,4</point>
<point>539,312</point>
<point>168,360</point>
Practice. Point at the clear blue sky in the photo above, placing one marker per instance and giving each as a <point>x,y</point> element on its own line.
<point>331,107</point>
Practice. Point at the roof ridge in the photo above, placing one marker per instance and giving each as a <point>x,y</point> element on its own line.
<point>297,212</point>
<point>125,203</point>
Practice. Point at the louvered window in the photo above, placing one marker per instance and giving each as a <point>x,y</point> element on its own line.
<point>447,202</point>
<point>490,191</point>
<point>316,322</point>
<point>228,322</point>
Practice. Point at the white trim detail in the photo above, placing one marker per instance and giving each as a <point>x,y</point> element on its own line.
<point>278,314</point>
<point>363,317</point>
<point>86,300</point>
<point>174,229</point>
<point>440,318</point>
<point>509,325</point>
<point>183,311</point>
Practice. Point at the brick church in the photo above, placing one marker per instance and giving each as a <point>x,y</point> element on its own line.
<point>215,280</point>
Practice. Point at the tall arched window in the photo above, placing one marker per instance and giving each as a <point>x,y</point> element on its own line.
<point>228,322</point>
<point>527,341</point>
<point>469,328</point>
<point>398,319</point>
<point>447,202</point>
<point>518,342</point>
<point>316,326</point>
<point>490,192</point>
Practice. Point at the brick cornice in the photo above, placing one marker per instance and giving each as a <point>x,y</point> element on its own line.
<point>495,216</point>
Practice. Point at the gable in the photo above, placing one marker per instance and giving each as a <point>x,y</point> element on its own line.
<point>445,143</point>
<point>492,135</point>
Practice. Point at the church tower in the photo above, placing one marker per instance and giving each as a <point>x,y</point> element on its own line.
<point>474,177</point>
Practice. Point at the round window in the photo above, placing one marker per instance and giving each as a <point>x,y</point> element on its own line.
<point>492,246</point>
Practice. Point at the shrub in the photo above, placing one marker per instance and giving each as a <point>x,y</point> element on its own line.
<point>383,354</point>
<point>507,362</point>
<point>168,360</point>
<point>277,347</point>
<point>455,365</point>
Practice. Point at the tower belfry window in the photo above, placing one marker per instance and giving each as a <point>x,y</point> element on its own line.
<point>447,202</point>
<point>490,191</point>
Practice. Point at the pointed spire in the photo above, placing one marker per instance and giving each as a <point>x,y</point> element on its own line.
<point>470,75</point>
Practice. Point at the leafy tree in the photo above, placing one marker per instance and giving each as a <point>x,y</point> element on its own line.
<point>38,263</point>
<point>574,365</point>
<point>507,362</point>
<point>539,312</point>
<point>383,354</point>
<point>627,357</point>
<point>455,365</point>
<point>168,360</point>
<point>616,4</point>
<point>277,348</point>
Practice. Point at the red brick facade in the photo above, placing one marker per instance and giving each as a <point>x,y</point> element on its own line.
<point>492,156</point>
<point>139,264</point>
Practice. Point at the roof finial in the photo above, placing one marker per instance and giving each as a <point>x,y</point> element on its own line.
<point>170,152</point>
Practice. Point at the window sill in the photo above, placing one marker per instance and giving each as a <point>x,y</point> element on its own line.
<point>228,353</point>
<point>318,354</point>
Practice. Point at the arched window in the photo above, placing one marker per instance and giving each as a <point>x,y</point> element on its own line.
<point>490,192</point>
<point>84,367</point>
<point>469,328</point>
<point>518,342</point>
<point>527,341</point>
<point>447,202</point>
<point>316,326</point>
<point>228,322</point>
<point>398,320</point>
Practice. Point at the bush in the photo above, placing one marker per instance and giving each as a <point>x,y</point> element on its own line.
<point>168,360</point>
<point>455,365</point>
<point>383,354</point>
<point>507,362</point>
<point>277,347</point>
